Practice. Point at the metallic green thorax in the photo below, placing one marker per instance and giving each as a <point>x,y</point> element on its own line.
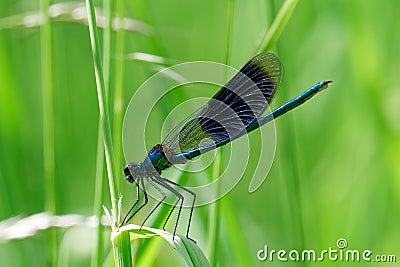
<point>159,159</point>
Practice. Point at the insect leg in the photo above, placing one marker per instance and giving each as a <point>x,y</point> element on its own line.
<point>137,201</point>
<point>170,213</point>
<point>158,204</point>
<point>191,208</point>
<point>134,205</point>
<point>161,181</point>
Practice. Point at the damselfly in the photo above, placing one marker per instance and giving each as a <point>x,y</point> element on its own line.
<point>235,110</point>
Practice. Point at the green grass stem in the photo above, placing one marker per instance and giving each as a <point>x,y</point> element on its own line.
<point>107,4</point>
<point>118,102</point>
<point>97,255</point>
<point>98,198</point>
<point>48,124</point>
<point>103,107</point>
<point>121,244</point>
<point>215,217</point>
<point>277,27</point>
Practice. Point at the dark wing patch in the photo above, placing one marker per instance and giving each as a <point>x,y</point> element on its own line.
<point>241,101</point>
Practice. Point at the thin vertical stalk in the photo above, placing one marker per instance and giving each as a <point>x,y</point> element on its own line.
<point>119,83</point>
<point>103,107</point>
<point>107,4</point>
<point>121,246</point>
<point>289,159</point>
<point>97,254</point>
<point>293,186</point>
<point>277,27</point>
<point>215,218</point>
<point>98,196</point>
<point>292,183</point>
<point>48,124</point>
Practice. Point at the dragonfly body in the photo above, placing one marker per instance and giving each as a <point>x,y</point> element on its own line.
<point>235,110</point>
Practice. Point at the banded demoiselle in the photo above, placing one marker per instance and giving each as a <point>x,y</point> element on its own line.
<point>235,110</point>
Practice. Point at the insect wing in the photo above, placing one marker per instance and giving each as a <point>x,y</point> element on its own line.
<point>240,102</point>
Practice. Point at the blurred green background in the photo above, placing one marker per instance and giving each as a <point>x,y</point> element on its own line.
<point>336,172</point>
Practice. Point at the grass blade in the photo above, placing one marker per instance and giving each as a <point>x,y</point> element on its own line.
<point>277,27</point>
<point>188,250</point>
<point>104,114</point>
<point>98,196</point>
<point>97,255</point>
<point>215,218</point>
<point>122,253</point>
<point>118,105</point>
<point>48,125</point>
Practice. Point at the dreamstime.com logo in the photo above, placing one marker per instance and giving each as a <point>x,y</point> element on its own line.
<point>199,79</point>
<point>340,253</point>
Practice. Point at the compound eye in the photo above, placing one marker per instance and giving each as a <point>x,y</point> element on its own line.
<point>126,171</point>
